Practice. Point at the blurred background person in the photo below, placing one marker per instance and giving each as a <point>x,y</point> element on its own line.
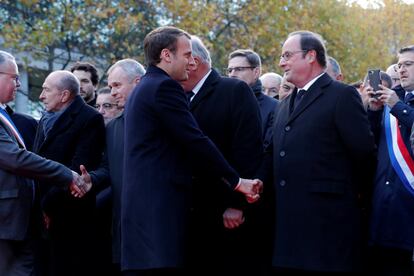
<point>334,69</point>
<point>106,104</point>
<point>286,88</point>
<point>271,84</point>
<point>88,77</point>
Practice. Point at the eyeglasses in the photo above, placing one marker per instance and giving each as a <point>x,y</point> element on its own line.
<point>15,76</point>
<point>288,55</point>
<point>238,69</point>
<point>406,64</point>
<point>105,106</point>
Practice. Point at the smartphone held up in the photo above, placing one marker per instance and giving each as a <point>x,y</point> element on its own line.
<point>374,81</point>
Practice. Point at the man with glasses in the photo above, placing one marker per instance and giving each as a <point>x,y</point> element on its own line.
<point>392,225</point>
<point>25,124</point>
<point>321,135</point>
<point>106,104</point>
<point>18,215</point>
<point>245,65</point>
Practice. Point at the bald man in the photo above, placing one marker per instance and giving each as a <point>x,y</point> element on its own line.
<point>72,133</point>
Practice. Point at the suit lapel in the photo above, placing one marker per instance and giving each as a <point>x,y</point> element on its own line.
<point>315,91</point>
<point>206,89</point>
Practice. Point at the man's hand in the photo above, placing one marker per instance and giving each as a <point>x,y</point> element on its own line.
<point>232,218</point>
<point>368,96</point>
<point>388,96</point>
<point>75,186</point>
<point>251,189</point>
<point>86,179</point>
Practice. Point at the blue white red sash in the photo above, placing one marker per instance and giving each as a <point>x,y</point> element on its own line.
<point>400,157</point>
<point>5,118</point>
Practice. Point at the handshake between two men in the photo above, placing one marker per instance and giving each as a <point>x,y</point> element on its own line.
<point>81,184</point>
<point>251,188</point>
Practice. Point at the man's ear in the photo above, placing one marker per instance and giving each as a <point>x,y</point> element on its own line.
<point>136,80</point>
<point>165,55</point>
<point>256,72</point>
<point>311,56</point>
<point>66,96</point>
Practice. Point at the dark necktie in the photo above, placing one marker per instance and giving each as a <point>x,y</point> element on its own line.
<point>298,98</point>
<point>408,97</point>
<point>189,94</point>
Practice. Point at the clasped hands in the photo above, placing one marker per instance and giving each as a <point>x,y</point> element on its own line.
<point>81,184</point>
<point>251,188</point>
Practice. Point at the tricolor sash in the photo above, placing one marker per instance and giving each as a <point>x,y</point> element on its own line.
<point>5,118</point>
<point>400,157</point>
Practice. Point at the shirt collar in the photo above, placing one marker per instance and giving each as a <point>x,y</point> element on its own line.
<point>309,84</point>
<point>200,83</point>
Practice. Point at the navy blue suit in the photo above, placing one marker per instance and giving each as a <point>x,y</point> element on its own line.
<point>162,140</point>
<point>392,223</point>
<point>316,148</point>
<point>227,111</point>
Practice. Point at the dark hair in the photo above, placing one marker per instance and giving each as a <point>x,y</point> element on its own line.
<point>87,67</point>
<point>409,48</point>
<point>312,41</point>
<point>252,57</point>
<point>159,39</point>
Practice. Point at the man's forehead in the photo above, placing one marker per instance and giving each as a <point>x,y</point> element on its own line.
<point>405,56</point>
<point>105,98</point>
<point>292,41</point>
<point>81,74</point>
<point>239,61</point>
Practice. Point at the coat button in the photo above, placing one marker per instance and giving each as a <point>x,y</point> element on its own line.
<point>287,128</point>
<point>282,183</point>
<point>405,111</point>
<point>387,183</point>
<point>282,153</point>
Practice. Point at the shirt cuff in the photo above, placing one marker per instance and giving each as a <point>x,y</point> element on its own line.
<point>238,185</point>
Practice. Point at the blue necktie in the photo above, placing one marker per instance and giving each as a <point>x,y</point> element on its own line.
<point>298,98</point>
<point>189,95</point>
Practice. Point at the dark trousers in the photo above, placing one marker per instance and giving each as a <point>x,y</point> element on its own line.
<point>391,261</point>
<point>16,258</point>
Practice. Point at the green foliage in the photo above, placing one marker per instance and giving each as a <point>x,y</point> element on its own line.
<point>358,38</point>
<point>99,31</point>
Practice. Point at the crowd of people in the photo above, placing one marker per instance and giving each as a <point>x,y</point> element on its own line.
<point>174,169</point>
